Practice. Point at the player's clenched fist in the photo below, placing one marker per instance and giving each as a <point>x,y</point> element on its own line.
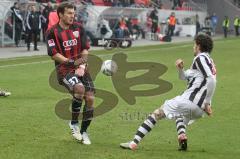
<point>179,63</point>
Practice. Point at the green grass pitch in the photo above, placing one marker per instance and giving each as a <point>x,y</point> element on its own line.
<point>29,127</point>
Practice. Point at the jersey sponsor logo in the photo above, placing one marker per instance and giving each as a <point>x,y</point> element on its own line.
<point>70,43</point>
<point>51,43</point>
<point>76,34</point>
<point>67,48</point>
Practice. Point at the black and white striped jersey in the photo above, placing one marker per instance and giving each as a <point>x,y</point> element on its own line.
<point>201,79</point>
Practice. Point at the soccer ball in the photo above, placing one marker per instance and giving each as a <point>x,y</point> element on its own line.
<point>109,67</point>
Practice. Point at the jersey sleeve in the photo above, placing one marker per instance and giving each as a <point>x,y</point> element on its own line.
<point>51,43</point>
<point>211,86</point>
<point>204,66</point>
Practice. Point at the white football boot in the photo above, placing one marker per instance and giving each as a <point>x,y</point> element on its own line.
<point>4,93</point>
<point>129,145</point>
<point>75,131</point>
<point>86,140</point>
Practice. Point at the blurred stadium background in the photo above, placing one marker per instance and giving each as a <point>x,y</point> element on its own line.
<point>135,13</point>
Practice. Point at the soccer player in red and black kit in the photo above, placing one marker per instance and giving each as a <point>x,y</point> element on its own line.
<point>68,47</point>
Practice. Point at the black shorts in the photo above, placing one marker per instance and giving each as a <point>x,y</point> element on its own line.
<point>72,79</point>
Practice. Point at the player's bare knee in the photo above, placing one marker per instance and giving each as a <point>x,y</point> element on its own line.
<point>89,98</point>
<point>78,91</point>
<point>158,114</point>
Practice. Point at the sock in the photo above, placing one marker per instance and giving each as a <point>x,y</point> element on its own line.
<point>181,127</point>
<point>87,118</point>
<point>145,128</point>
<point>76,107</point>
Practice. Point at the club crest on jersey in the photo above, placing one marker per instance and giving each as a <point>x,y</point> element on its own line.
<point>70,43</point>
<point>51,43</point>
<point>76,34</point>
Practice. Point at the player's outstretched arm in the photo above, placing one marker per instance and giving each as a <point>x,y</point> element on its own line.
<point>60,58</point>
<point>211,85</point>
<point>180,66</point>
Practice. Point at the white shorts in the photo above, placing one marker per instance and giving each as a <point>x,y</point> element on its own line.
<point>180,107</point>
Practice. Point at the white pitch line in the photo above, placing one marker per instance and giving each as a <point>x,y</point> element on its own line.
<point>130,51</point>
<point>23,64</point>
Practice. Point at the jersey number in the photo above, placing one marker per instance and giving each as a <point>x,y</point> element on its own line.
<point>73,80</point>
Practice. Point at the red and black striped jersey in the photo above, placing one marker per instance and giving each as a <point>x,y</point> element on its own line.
<point>68,42</point>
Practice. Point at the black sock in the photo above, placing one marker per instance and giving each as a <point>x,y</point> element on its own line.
<point>85,125</point>
<point>76,107</point>
<point>87,118</point>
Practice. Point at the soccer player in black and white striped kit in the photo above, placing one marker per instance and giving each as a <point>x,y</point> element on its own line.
<point>195,100</point>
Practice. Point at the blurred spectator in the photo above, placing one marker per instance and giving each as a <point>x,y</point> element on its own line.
<point>18,21</point>
<point>132,2</point>
<point>214,21</point>
<point>176,4</point>
<point>53,17</point>
<point>207,22</point>
<point>116,3</point>
<point>225,25</point>
<point>125,3</point>
<point>137,29</point>
<point>104,30</point>
<point>121,30</point>
<point>208,25</point>
<point>198,25</point>
<point>171,24</point>
<point>158,3</point>
<point>45,13</point>
<point>154,18</point>
<point>129,26</point>
<point>236,25</point>
<point>33,26</point>
<point>82,16</point>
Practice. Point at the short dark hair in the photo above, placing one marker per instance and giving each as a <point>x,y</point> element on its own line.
<point>205,42</point>
<point>63,5</point>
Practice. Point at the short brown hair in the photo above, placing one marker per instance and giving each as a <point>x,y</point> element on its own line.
<point>63,5</point>
<point>205,42</point>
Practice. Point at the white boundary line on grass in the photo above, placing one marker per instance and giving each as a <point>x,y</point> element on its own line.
<point>101,55</point>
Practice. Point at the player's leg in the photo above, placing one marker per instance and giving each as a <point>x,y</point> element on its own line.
<point>88,108</point>
<point>181,131</point>
<point>145,128</point>
<point>87,116</point>
<point>170,109</point>
<point>78,92</point>
<point>189,113</point>
<point>75,86</point>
